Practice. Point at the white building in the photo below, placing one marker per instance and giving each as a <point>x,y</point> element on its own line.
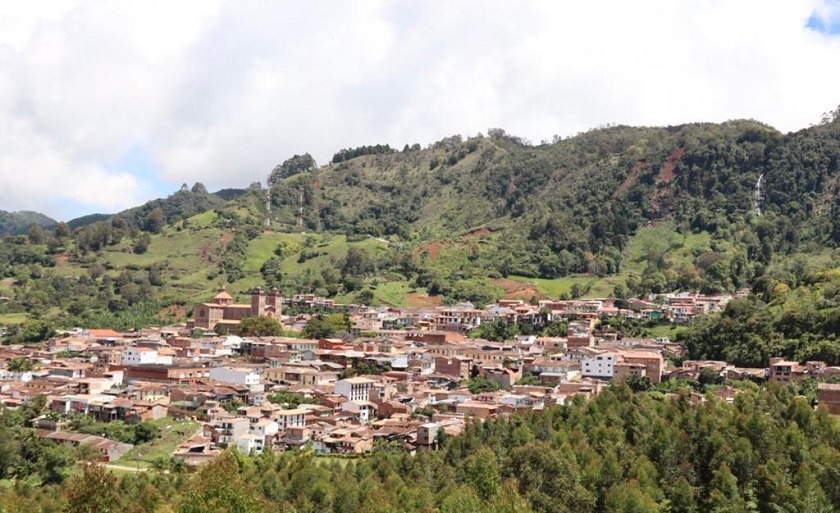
<point>361,410</point>
<point>599,366</point>
<point>248,377</point>
<point>236,375</point>
<point>139,356</point>
<point>265,428</point>
<point>291,418</point>
<point>250,444</point>
<point>354,389</point>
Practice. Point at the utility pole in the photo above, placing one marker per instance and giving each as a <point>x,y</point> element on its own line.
<point>267,221</point>
<point>300,213</point>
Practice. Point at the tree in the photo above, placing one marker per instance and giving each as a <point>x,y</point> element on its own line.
<point>94,491</point>
<point>145,432</point>
<point>142,244</point>
<point>37,235</point>
<point>481,384</point>
<point>365,296</point>
<point>296,164</point>
<point>260,326</point>
<point>20,365</point>
<point>199,188</point>
<point>219,487</point>
<point>155,220</point>
<point>498,330</point>
<point>482,470</point>
<point>61,231</point>
<point>36,331</point>
<point>638,383</point>
<point>321,326</point>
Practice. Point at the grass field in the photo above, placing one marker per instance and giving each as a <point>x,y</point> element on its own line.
<point>172,433</point>
<point>13,318</point>
<point>665,330</point>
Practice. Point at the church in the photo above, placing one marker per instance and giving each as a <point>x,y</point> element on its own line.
<point>223,311</point>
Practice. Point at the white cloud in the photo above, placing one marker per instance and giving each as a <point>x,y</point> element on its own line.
<point>220,92</point>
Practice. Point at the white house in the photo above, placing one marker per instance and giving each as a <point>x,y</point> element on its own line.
<point>245,376</point>
<point>250,444</point>
<point>599,366</point>
<point>354,389</point>
<point>139,356</point>
<point>291,418</point>
<point>265,428</point>
<point>362,410</point>
<point>237,375</point>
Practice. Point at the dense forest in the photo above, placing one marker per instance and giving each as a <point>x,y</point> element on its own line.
<point>646,452</point>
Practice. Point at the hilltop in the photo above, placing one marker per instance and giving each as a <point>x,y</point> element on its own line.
<point>16,223</point>
<point>613,211</point>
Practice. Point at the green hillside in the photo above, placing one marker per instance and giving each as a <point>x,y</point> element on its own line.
<point>16,223</point>
<point>617,211</point>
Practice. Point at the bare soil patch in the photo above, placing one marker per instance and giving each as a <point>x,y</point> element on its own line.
<point>422,300</point>
<point>516,290</point>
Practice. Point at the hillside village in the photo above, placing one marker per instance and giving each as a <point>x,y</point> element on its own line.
<point>408,376</point>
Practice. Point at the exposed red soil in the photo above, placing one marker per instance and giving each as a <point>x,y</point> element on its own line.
<point>177,311</point>
<point>630,180</point>
<point>668,171</point>
<point>210,251</point>
<point>433,248</point>
<point>61,259</point>
<point>478,232</point>
<point>666,175</point>
<point>225,238</point>
<point>516,290</point>
<point>422,300</point>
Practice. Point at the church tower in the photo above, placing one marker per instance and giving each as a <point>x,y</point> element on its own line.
<point>257,302</point>
<point>274,303</point>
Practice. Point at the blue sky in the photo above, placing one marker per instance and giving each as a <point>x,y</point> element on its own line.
<point>825,19</point>
<point>106,105</point>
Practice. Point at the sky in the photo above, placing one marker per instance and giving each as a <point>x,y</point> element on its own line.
<point>105,105</point>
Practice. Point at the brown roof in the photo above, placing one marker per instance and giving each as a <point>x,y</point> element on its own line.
<point>223,295</point>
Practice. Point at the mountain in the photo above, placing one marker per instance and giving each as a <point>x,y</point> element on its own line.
<point>17,223</point>
<point>573,206</point>
<point>613,211</point>
<point>86,220</point>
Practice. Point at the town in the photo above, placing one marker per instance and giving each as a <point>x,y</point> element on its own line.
<point>408,376</point>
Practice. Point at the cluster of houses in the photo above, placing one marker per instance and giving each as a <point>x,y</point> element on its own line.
<point>402,376</point>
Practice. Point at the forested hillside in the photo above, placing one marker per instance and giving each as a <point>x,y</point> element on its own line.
<point>615,211</point>
<point>619,452</point>
<point>16,223</point>
<point>572,206</point>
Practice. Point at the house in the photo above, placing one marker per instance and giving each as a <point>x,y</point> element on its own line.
<point>601,366</point>
<point>354,389</point>
<point>456,366</point>
<point>243,376</point>
<point>166,373</point>
<point>226,431</point>
<point>362,411</point>
<point>427,434</point>
<point>250,444</point>
<point>783,372</point>
<point>108,449</point>
<point>828,394</point>
<point>140,356</point>
<point>291,418</point>
<point>503,377</point>
<point>652,361</point>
